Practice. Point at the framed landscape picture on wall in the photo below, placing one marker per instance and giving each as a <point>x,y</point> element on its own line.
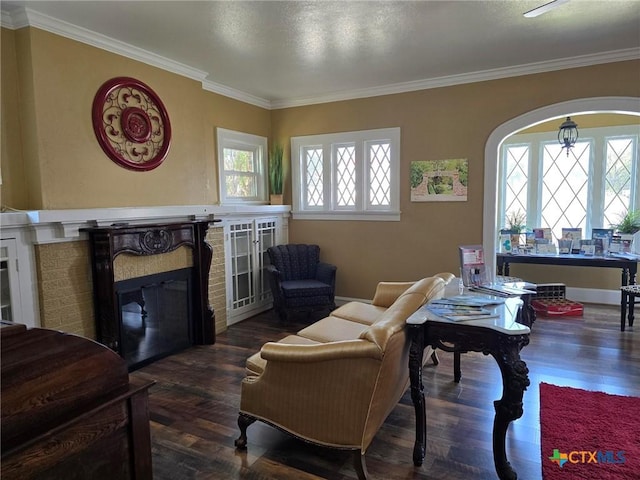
<point>439,180</point>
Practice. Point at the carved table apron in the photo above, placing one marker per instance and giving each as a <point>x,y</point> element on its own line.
<point>502,338</point>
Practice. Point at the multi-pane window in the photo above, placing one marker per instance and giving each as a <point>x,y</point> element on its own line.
<point>351,175</point>
<point>591,187</point>
<point>242,167</point>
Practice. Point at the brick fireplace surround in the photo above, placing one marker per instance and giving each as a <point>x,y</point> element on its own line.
<point>55,259</point>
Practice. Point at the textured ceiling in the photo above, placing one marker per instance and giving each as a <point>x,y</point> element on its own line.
<point>288,52</point>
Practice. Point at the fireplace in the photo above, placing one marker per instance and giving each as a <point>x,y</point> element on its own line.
<point>147,317</point>
<point>155,316</point>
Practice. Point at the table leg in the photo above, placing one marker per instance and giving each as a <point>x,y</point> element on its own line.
<point>515,381</point>
<point>633,271</point>
<point>623,309</point>
<point>416,351</point>
<point>628,278</point>
<point>457,371</point>
<point>499,266</point>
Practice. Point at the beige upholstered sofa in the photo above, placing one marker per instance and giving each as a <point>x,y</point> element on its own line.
<point>336,381</point>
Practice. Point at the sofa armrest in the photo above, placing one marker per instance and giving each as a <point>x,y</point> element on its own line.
<point>388,292</point>
<point>286,352</point>
<point>446,276</point>
<point>326,273</point>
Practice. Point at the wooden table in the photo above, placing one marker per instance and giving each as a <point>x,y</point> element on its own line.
<point>502,337</point>
<point>628,266</point>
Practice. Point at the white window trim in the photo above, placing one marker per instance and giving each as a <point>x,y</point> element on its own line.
<point>598,138</point>
<point>362,211</point>
<point>240,140</point>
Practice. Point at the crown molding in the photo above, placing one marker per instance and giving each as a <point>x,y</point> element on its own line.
<point>481,76</point>
<point>210,86</point>
<point>83,35</point>
<point>13,19</point>
<point>26,17</point>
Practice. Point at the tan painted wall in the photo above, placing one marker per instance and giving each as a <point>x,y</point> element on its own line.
<point>66,166</point>
<point>13,185</point>
<point>442,123</point>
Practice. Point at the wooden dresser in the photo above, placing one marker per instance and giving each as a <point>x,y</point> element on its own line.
<point>69,409</point>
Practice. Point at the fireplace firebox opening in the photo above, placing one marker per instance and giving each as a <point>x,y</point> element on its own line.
<point>155,316</point>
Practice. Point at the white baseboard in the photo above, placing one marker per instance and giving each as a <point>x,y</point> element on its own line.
<point>592,295</point>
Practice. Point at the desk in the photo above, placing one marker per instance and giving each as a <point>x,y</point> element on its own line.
<point>629,267</point>
<point>501,337</point>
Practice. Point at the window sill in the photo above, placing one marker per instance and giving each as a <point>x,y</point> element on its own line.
<point>362,216</point>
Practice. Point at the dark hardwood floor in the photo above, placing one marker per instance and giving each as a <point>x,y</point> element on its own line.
<point>194,407</point>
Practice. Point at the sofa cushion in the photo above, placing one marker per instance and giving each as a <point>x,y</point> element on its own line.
<point>305,288</point>
<point>333,329</point>
<point>359,312</point>
<point>388,292</point>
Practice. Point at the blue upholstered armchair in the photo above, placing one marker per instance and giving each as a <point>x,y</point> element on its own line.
<point>299,280</point>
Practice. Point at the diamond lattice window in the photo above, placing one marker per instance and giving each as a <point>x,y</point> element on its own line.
<point>379,174</point>
<point>360,180</point>
<point>314,177</point>
<point>618,176</point>
<point>516,167</point>
<point>565,182</point>
<point>346,175</point>
<point>592,187</point>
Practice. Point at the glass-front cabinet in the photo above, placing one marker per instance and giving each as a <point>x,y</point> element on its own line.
<point>9,300</point>
<point>246,244</point>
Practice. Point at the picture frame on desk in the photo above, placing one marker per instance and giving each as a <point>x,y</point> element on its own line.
<point>575,235</point>
<point>587,247</point>
<point>472,267</point>
<point>601,239</point>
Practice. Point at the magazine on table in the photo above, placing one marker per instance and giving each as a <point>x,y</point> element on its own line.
<point>459,313</point>
<point>468,301</point>
<point>500,290</point>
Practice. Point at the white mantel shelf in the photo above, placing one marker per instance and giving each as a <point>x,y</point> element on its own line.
<point>27,229</point>
<point>52,226</point>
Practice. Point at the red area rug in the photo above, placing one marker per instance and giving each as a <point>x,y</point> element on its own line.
<point>588,435</point>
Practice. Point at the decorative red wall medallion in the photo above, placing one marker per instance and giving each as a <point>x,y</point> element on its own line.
<point>131,124</point>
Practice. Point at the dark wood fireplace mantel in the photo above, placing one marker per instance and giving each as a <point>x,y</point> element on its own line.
<point>143,240</point>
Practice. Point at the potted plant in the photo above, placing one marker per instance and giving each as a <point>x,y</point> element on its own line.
<point>628,227</point>
<point>516,225</point>
<point>276,174</point>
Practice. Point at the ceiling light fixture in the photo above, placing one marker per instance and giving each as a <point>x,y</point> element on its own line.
<point>568,134</point>
<point>544,8</point>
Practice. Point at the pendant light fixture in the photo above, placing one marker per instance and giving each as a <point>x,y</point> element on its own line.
<point>568,134</point>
